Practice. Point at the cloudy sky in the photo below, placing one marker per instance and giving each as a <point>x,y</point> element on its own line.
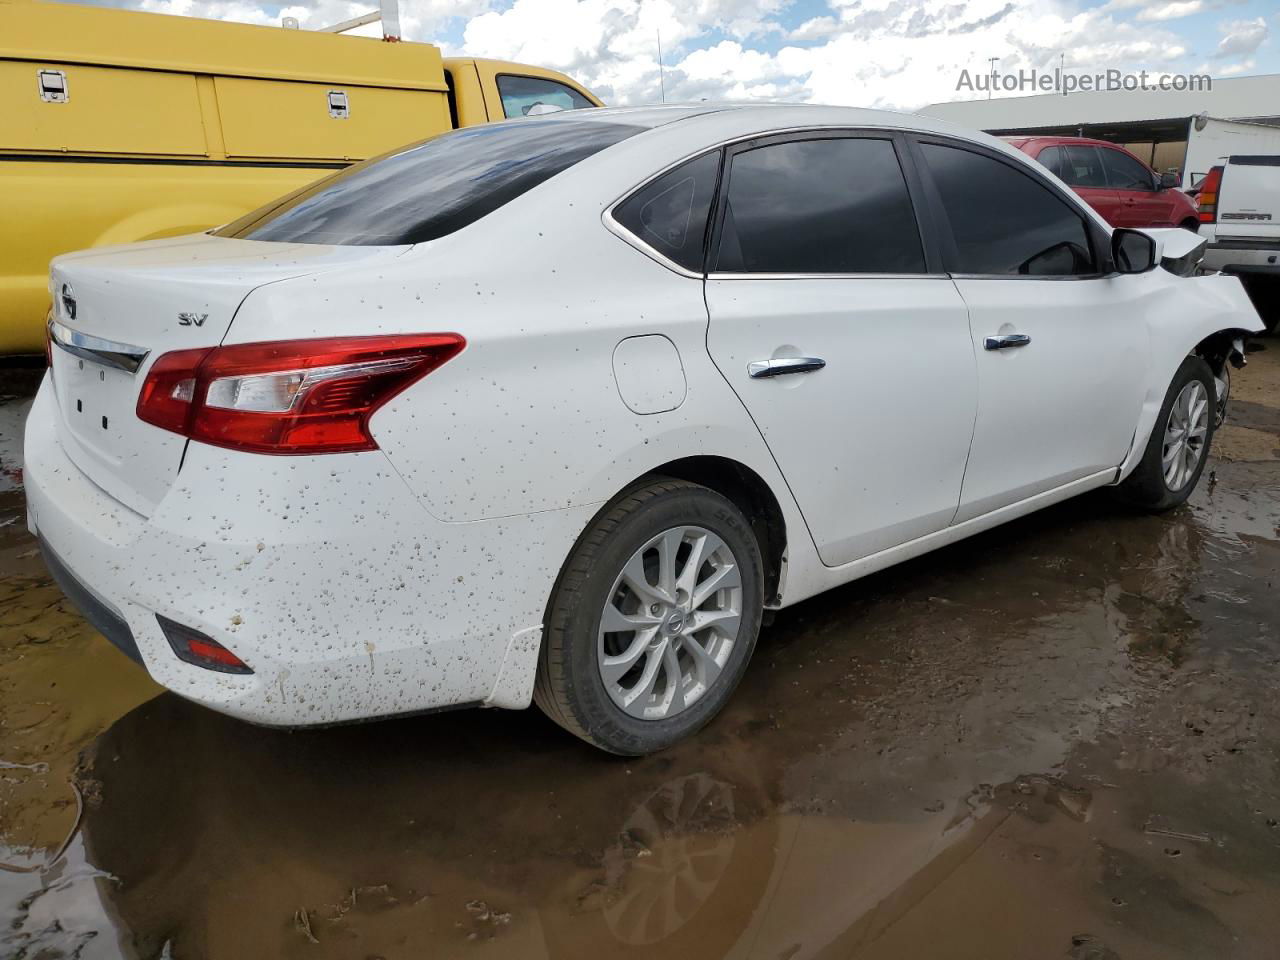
<point>885,53</point>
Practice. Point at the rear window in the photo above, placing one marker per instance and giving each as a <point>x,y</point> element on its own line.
<point>432,188</point>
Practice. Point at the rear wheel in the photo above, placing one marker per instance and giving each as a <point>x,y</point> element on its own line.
<point>653,620</point>
<point>1179,445</point>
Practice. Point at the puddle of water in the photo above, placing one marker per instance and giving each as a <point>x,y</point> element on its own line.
<point>1054,740</point>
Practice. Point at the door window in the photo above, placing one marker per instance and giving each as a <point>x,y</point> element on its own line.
<point>1083,167</point>
<point>1126,173</point>
<point>1052,159</point>
<point>1005,222</point>
<point>670,213</point>
<point>530,96</point>
<point>834,206</point>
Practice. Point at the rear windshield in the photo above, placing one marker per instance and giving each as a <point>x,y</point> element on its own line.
<point>429,189</point>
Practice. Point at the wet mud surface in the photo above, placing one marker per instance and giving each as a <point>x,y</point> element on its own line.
<point>1056,740</point>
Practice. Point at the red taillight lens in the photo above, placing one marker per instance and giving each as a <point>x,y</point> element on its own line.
<point>288,396</point>
<point>1207,197</point>
<point>193,647</point>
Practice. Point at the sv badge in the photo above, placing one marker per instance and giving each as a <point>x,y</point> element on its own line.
<point>192,319</point>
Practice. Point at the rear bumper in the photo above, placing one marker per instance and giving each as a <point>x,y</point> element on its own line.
<point>101,615</point>
<point>1243,256</point>
<point>325,575</point>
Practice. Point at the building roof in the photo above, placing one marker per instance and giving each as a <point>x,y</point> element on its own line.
<point>1234,98</point>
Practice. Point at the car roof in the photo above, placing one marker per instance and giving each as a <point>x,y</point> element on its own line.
<point>1021,142</point>
<point>766,116</point>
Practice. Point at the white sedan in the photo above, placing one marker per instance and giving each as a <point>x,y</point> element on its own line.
<point>554,409</point>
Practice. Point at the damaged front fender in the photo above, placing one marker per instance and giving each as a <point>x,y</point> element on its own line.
<point>1206,315</point>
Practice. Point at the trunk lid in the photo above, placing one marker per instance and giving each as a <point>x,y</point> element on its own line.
<point>115,311</point>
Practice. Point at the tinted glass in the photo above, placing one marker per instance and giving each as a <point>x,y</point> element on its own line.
<point>819,206</point>
<point>1083,167</point>
<point>1124,172</point>
<point>670,213</point>
<point>432,188</point>
<point>522,95</point>
<point>1051,158</point>
<point>1003,221</point>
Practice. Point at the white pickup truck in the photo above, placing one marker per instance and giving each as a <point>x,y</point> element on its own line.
<point>1240,219</point>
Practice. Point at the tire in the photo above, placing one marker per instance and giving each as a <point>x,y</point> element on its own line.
<point>642,523</point>
<point>1148,487</point>
<point>1192,225</point>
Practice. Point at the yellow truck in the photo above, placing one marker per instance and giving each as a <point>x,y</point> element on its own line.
<point>118,126</point>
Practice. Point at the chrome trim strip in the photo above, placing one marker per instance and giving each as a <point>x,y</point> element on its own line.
<point>110,353</point>
<point>629,238</point>
<point>828,276</point>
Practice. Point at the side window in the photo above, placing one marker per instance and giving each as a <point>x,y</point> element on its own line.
<point>1124,172</point>
<point>670,213</point>
<point>1083,167</point>
<point>1004,221</point>
<point>531,96</point>
<point>819,206</point>
<point>1051,159</point>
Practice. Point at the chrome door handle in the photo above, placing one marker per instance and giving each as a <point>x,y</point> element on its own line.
<point>759,369</point>
<point>1006,340</point>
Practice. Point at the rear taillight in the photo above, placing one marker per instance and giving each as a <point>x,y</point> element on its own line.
<point>1207,197</point>
<point>288,396</point>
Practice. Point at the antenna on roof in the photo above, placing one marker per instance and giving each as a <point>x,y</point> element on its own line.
<point>662,79</point>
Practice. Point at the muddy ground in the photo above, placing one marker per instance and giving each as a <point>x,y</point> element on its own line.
<point>1056,740</point>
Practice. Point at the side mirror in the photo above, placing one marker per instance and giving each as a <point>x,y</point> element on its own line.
<point>1169,180</point>
<point>1133,251</point>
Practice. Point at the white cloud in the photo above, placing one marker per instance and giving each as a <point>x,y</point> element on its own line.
<point>1235,68</point>
<point>816,29</point>
<point>1171,11</point>
<point>1241,37</point>
<point>888,53</point>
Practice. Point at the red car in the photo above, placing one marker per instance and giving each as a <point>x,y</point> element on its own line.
<point>1113,181</point>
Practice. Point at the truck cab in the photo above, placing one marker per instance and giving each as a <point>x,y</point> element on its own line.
<point>1240,219</point>
<point>482,91</point>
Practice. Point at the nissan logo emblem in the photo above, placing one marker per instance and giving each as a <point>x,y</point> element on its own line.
<point>69,301</point>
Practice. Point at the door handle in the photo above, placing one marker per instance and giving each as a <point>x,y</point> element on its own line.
<point>759,369</point>
<point>1006,340</point>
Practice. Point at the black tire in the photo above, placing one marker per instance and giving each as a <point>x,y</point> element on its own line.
<point>1189,224</point>
<point>569,688</point>
<point>1146,487</point>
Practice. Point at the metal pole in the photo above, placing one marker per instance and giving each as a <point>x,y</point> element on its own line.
<point>662,79</point>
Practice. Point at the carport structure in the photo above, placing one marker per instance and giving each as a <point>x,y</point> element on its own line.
<point>1185,131</point>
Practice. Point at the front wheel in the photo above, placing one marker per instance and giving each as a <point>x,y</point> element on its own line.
<point>653,620</point>
<point>1179,445</point>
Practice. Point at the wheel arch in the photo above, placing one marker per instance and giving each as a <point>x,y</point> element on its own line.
<point>732,479</point>
<point>750,494</point>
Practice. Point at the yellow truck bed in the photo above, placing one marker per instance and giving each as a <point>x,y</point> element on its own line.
<point>121,126</point>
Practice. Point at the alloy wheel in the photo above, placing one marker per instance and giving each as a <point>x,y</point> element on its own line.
<point>1184,435</point>
<point>670,623</point>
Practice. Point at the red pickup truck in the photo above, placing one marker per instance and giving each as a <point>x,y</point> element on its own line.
<point>1113,181</point>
